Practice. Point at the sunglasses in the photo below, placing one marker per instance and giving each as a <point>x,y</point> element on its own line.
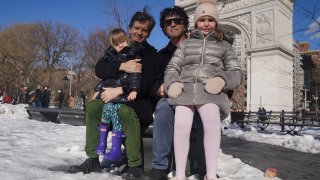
<point>177,21</point>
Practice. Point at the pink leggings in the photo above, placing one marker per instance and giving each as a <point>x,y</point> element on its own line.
<point>210,117</point>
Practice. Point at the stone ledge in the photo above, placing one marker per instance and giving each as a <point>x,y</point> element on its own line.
<point>57,115</point>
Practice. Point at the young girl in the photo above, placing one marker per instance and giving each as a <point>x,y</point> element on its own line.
<point>118,51</point>
<point>201,69</point>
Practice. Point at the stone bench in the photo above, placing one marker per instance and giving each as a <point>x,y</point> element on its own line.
<point>58,115</point>
<point>67,116</point>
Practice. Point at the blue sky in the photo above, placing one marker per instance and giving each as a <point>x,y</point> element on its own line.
<point>86,15</point>
<point>302,20</point>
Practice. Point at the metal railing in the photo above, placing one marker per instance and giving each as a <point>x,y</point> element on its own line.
<point>290,122</point>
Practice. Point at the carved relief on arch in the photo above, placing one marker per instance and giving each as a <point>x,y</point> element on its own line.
<point>244,20</point>
<point>231,5</point>
<point>264,27</point>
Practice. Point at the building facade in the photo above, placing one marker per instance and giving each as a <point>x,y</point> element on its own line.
<point>311,67</point>
<point>264,45</point>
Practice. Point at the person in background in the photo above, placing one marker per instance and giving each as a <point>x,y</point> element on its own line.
<point>201,68</point>
<point>46,95</point>
<point>37,102</point>
<point>7,99</point>
<point>24,96</point>
<point>83,98</point>
<point>70,101</point>
<point>1,95</point>
<point>60,98</point>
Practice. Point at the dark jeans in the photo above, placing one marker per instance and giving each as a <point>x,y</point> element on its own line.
<point>162,135</point>
<point>36,104</point>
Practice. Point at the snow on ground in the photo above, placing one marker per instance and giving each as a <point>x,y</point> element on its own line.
<point>28,148</point>
<point>307,140</point>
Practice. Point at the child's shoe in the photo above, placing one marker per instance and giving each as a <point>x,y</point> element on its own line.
<point>115,153</point>
<point>103,128</point>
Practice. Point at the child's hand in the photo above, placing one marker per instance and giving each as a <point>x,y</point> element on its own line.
<point>214,85</point>
<point>95,95</point>
<point>132,96</point>
<point>175,90</point>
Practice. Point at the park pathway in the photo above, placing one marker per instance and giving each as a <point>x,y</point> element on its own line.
<point>290,164</point>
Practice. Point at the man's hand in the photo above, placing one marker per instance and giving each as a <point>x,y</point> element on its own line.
<point>161,92</point>
<point>110,94</point>
<point>132,66</point>
<point>95,95</point>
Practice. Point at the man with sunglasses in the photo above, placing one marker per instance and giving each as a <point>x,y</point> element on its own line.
<point>174,23</point>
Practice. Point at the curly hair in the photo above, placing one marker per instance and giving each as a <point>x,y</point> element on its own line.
<point>174,11</point>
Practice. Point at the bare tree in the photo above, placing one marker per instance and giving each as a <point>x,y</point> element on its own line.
<point>57,42</point>
<point>93,47</point>
<point>18,53</point>
<point>121,16</point>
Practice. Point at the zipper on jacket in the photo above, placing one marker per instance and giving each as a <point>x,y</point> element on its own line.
<point>202,57</point>
<point>198,70</point>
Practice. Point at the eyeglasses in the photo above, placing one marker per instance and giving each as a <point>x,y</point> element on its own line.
<point>177,21</point>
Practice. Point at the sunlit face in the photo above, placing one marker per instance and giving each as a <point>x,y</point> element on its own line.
<point>139,31</point>
<point>119,46</point>
<point>206,24</point>
<point>174,27</point>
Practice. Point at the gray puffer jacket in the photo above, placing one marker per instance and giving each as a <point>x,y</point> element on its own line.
<point>198,59</point>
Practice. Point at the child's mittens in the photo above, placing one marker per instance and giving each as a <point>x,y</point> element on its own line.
<point>214,85</point>
<point>175,90</point>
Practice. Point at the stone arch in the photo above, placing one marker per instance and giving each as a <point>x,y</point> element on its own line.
<point>241,45</point>
<point>244,40</point>
<point>233,24</point>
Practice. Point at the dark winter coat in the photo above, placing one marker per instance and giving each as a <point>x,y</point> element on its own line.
<point>24,97</point>
<point>163,58</point>
<point>144,104</point>
<point>198,59</point>
<point>83,97</point>
<point>46,98</point>
<point>60,99</point>
<point>128,81</point>
<point>38,96</point>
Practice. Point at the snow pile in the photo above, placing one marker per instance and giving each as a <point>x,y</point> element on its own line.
<point>307,140</point>
<point>18,109</point>
<point>29,148</point>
